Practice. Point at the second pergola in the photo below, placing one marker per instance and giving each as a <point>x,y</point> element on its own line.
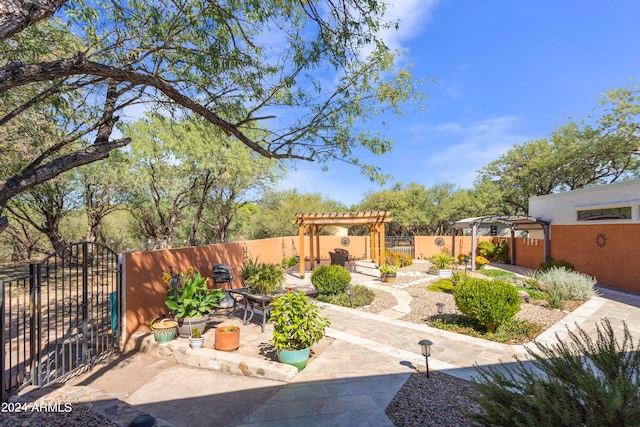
<point>312,223</point>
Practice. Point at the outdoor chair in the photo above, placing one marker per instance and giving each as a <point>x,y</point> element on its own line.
<point>339,259</point>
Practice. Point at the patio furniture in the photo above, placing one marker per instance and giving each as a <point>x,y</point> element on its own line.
<point>341,257</point>
<point>252,302</point>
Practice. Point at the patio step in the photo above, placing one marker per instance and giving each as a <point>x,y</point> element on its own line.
<point>208,358</point>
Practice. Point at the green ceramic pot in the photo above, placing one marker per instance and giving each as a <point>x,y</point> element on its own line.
<point>297,358</point>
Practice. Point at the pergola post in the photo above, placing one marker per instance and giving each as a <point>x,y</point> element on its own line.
<point>382,260</point>
<point>474,231</point>
<point>312,256</point>
<point>318,244</point>
<point>301,228</point>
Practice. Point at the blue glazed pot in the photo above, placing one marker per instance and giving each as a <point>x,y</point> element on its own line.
<point>297,358</point>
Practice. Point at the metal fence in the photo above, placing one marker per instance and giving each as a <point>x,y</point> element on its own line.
<point>60,318</point>
<point>400,244</point>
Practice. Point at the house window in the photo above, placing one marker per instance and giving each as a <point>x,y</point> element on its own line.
<point>605,214</point>
<point>493,231</point>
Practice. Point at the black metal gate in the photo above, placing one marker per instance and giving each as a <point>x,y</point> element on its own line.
<point>60,318</point>
<point>400,244</point>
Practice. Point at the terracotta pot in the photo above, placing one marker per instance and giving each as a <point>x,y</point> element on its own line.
<point>227,340</point>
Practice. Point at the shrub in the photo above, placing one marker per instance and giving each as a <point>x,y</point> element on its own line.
<point>265,278</point>
<point>397,258</point>
<point>330,279</point>
<point>289,262</point>
<point>360,296</point>
<point>544,266</point>
<point>490,302</point>
<point>585,382</point>
<point>562,285</point>
<point>481,261</point>
<point>443,260</point>
<point>485,249</point>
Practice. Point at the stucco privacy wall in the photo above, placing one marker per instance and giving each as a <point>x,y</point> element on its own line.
<point>144,296</point>
<point>426,246</point>
<point>609,252</point>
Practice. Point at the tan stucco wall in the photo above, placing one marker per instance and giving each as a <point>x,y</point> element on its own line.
<point>615,264</point>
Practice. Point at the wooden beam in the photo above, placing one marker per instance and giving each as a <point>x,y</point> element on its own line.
<point>302,261</point>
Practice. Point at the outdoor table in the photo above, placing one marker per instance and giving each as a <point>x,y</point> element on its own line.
<point>253,301</point>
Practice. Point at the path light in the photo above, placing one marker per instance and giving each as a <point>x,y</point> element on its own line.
<point>440,307</point>
<point>348,289</point>
<point>426,352</point>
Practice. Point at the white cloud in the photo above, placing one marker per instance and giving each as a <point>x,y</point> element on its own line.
<point>411,15</point>
<point>459,150</point>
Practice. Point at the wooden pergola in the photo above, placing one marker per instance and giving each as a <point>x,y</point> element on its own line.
<point>311,223</point>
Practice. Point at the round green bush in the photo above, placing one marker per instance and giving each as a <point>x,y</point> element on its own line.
<point>330,279</point>
<point>490,302</point>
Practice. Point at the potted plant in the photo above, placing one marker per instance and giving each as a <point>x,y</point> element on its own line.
<point>297,326</point>
<point>164,330</point>
<point>388,272</point>
<point>265,278</point>
<point>196,340</point>
<point>443,262</point>
<point>227,338</point>
<point>190,300</point>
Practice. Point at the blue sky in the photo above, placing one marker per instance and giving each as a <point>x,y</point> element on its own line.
<point>506,72</point>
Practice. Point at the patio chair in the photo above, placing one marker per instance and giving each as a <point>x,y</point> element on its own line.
<point>340,259</point>
<point>351,260</point>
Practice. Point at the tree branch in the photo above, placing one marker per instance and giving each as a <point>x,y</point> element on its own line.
<point>16,15</point>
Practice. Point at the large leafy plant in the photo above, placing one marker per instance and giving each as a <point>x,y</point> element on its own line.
<point>297,322</point>
<point>265,278</point>
<point>188,294</point>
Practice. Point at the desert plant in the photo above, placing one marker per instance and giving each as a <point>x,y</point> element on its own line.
<point>359,296</point>
<point>443,260</point>
<point>330,279</point>
<point>289,262</point>
<point>584,382</point>
<point>490,302</point>
<point>249,268</point>
<point>195,333</point>
<point>266,278</point>
<point>561,285</point>
<point>297,322</point>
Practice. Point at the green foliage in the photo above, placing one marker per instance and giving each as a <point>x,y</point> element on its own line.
<point>562,285</point>
<point>289,262</point>
<point>195,333</point>
<point>360,296</point>
<point>249,268</point>
<point>493,252</point>
<point>494,273</point>
<point>490,302</point>
<point>265,278</point>
<point>514,332</point>
<point>443,260</point>
<point>585,382</point>
<point>192,297</point>
<point>399,259</point>
<point>486,249</point>
<point>544,266</point>
<point>330,279</point>
<point>388,269</point>
<point>297,322</point>
<point>442,285</point>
